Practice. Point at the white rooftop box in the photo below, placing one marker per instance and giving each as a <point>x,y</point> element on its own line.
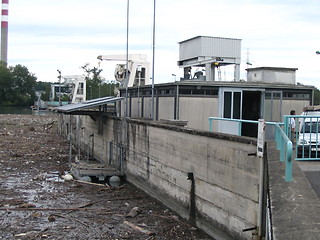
<point>272,75</point>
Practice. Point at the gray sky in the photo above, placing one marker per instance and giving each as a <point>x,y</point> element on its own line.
<point>46,35</point>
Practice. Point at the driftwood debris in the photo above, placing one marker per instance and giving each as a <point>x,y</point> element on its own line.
<point>53,209</point>
<point>133,212</point>
<point>140,229</point>
<point>80,208</point>
<point>69,218</point>
<point>89,183</point>
<point>26,234</point>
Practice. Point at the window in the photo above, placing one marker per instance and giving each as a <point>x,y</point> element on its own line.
<point>232,105</point>
<point>296,95</point>
<point>227,105</point>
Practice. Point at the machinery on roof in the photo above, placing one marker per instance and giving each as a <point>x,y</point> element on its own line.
<point>138,69</point>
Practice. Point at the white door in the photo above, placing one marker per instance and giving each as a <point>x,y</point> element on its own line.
<point>230,106</point>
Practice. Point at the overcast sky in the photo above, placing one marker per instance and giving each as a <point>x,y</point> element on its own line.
<point>46,35</point>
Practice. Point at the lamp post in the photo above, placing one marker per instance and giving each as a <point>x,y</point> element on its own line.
<point>59,77</point>
<point>127,60</point>
<point>139,73</point>
<point>153,56</point>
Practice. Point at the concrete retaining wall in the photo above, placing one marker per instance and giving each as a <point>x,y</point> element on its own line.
<point>223,197</point>
<point>225,190</point>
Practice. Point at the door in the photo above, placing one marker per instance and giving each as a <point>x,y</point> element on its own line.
<point>230,106</point>
<point>251,110</point>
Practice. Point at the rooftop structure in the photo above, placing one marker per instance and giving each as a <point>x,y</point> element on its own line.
<point>210,53</point>
<point>278,75</point>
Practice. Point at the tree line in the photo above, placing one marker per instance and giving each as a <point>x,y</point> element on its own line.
<point>17,86</point>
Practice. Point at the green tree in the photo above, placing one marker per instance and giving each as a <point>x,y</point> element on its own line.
<point>94,81</point>
<point>23,85</point>
<point>316,97</point>
<point>96,87</point>
<point>45,88</point>
<point>5,85</point>
<point>16,86</point>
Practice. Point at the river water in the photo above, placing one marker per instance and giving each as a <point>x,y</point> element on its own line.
<point>22,110</point>
<point>15,110</point>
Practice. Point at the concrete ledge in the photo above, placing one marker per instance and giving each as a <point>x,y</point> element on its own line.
<point>295,207</point>
<point>233,138</point>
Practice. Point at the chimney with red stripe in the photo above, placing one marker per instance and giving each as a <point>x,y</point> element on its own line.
<point>4,31</point>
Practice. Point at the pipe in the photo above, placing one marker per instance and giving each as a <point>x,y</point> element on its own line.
<point>192,207</point>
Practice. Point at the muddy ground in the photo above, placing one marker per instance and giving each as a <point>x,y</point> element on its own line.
<point>35,203</point>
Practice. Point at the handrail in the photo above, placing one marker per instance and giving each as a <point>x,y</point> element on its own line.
<point>283,143</point>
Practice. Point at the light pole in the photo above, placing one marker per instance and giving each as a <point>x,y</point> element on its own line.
<point>175,76</point>
<point>59,77</point>
<point>153,56</point>
<point>139,72</point>
<point>127,60</point>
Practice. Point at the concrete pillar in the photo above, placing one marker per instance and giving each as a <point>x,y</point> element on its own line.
<point>210,72</point>
<point>237,72</point>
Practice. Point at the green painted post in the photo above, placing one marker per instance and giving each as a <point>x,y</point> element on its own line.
<point>288,176</point>
<point>210,125</point>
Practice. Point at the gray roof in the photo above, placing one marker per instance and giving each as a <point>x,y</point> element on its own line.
<point>87,104</point>
<point>232,84</point>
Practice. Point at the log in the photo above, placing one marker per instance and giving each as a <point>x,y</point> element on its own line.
<point>90,183</point>
<point>137,228</point>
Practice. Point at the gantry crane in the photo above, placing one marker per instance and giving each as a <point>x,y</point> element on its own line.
<point>138,69</point>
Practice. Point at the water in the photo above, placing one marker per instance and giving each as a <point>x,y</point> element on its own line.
<point>22,110</point>
<point>15,110</point>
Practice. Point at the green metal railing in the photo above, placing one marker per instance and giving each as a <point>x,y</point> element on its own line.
<point>283,143</point>
<point>306,136</point>
<point>56,103</point>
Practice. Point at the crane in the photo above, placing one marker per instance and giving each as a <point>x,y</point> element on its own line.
<point>137,64</point>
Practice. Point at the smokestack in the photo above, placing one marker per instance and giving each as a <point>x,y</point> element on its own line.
<point>4,31</point>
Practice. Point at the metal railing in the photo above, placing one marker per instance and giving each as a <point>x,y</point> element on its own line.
<point>305,137</point>
<point>283,143</point>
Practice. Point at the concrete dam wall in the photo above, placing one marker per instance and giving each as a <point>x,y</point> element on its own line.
<point>209,178</point>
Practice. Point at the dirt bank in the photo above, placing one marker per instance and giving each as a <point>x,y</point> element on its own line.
<point>35,203</point>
